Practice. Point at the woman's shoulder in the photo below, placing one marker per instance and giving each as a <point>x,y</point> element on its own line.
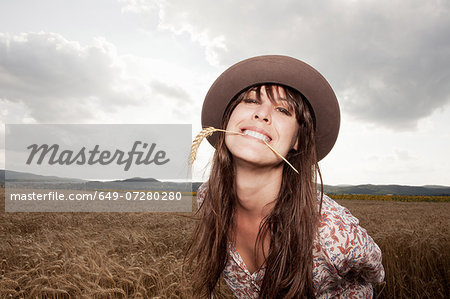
<point>346,244</point>
<point>337,226</point>
<point>332,213</point>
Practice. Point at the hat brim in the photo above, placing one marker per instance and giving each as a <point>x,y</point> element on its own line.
<point>282,70</point>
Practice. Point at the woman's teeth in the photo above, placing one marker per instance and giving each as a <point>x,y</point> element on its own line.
<point>257,135</point>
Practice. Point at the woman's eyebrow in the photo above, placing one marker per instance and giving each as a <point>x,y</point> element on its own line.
<point>286,103</point>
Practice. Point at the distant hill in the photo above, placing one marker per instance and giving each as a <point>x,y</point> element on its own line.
<point>433,190</point>
<point>429,190</point>
<point>389,189</point>
<point>15,176</point>
<point>136,183</point>
<point>196,185</point>
<point>137,179</point>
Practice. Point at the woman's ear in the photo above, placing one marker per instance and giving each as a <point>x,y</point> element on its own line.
<point>295,147</point>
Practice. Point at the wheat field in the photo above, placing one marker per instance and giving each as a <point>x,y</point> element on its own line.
<point>139,255</point>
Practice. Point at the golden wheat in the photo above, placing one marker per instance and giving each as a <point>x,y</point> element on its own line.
<point>202,135</point>
<point>141,253</point>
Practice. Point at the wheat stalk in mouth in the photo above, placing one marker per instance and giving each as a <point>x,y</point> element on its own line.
<point>202,135</point>
<point>211,130</point>
<point>274,150</point>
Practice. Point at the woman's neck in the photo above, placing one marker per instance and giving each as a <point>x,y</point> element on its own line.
<point>257,190</point>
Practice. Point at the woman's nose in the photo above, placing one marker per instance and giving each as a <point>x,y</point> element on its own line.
<point>263,113</point>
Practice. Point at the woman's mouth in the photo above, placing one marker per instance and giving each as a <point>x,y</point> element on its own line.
<point>257,135</point>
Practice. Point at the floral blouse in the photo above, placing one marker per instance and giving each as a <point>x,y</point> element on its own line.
<point>346,259</point>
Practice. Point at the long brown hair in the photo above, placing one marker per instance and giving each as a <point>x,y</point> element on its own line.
<point>291,225</point>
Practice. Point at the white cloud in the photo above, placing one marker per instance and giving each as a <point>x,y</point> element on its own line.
<point>388,61</point>
<point>170,91</point>
<point>137,6</point>
<point>55,79</point>
<point>46,78</point>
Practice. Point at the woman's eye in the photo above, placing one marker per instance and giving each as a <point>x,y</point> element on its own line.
<point>250,101</point>
<point>283,110</point>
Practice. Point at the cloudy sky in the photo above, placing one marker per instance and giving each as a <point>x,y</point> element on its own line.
<point>152,61</point>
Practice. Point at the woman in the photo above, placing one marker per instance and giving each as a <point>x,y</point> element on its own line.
<point>263,225</point>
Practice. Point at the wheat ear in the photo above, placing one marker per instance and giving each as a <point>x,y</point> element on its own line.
<point>199,138</point>
<point>211,130</point>
<point>281,156</point>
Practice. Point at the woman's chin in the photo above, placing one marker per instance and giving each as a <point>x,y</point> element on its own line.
<point>256,161</point>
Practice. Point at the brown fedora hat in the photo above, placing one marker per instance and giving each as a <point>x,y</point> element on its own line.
<point>282,70</point>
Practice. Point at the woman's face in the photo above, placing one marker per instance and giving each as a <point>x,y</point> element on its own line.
<point>260,119</point>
